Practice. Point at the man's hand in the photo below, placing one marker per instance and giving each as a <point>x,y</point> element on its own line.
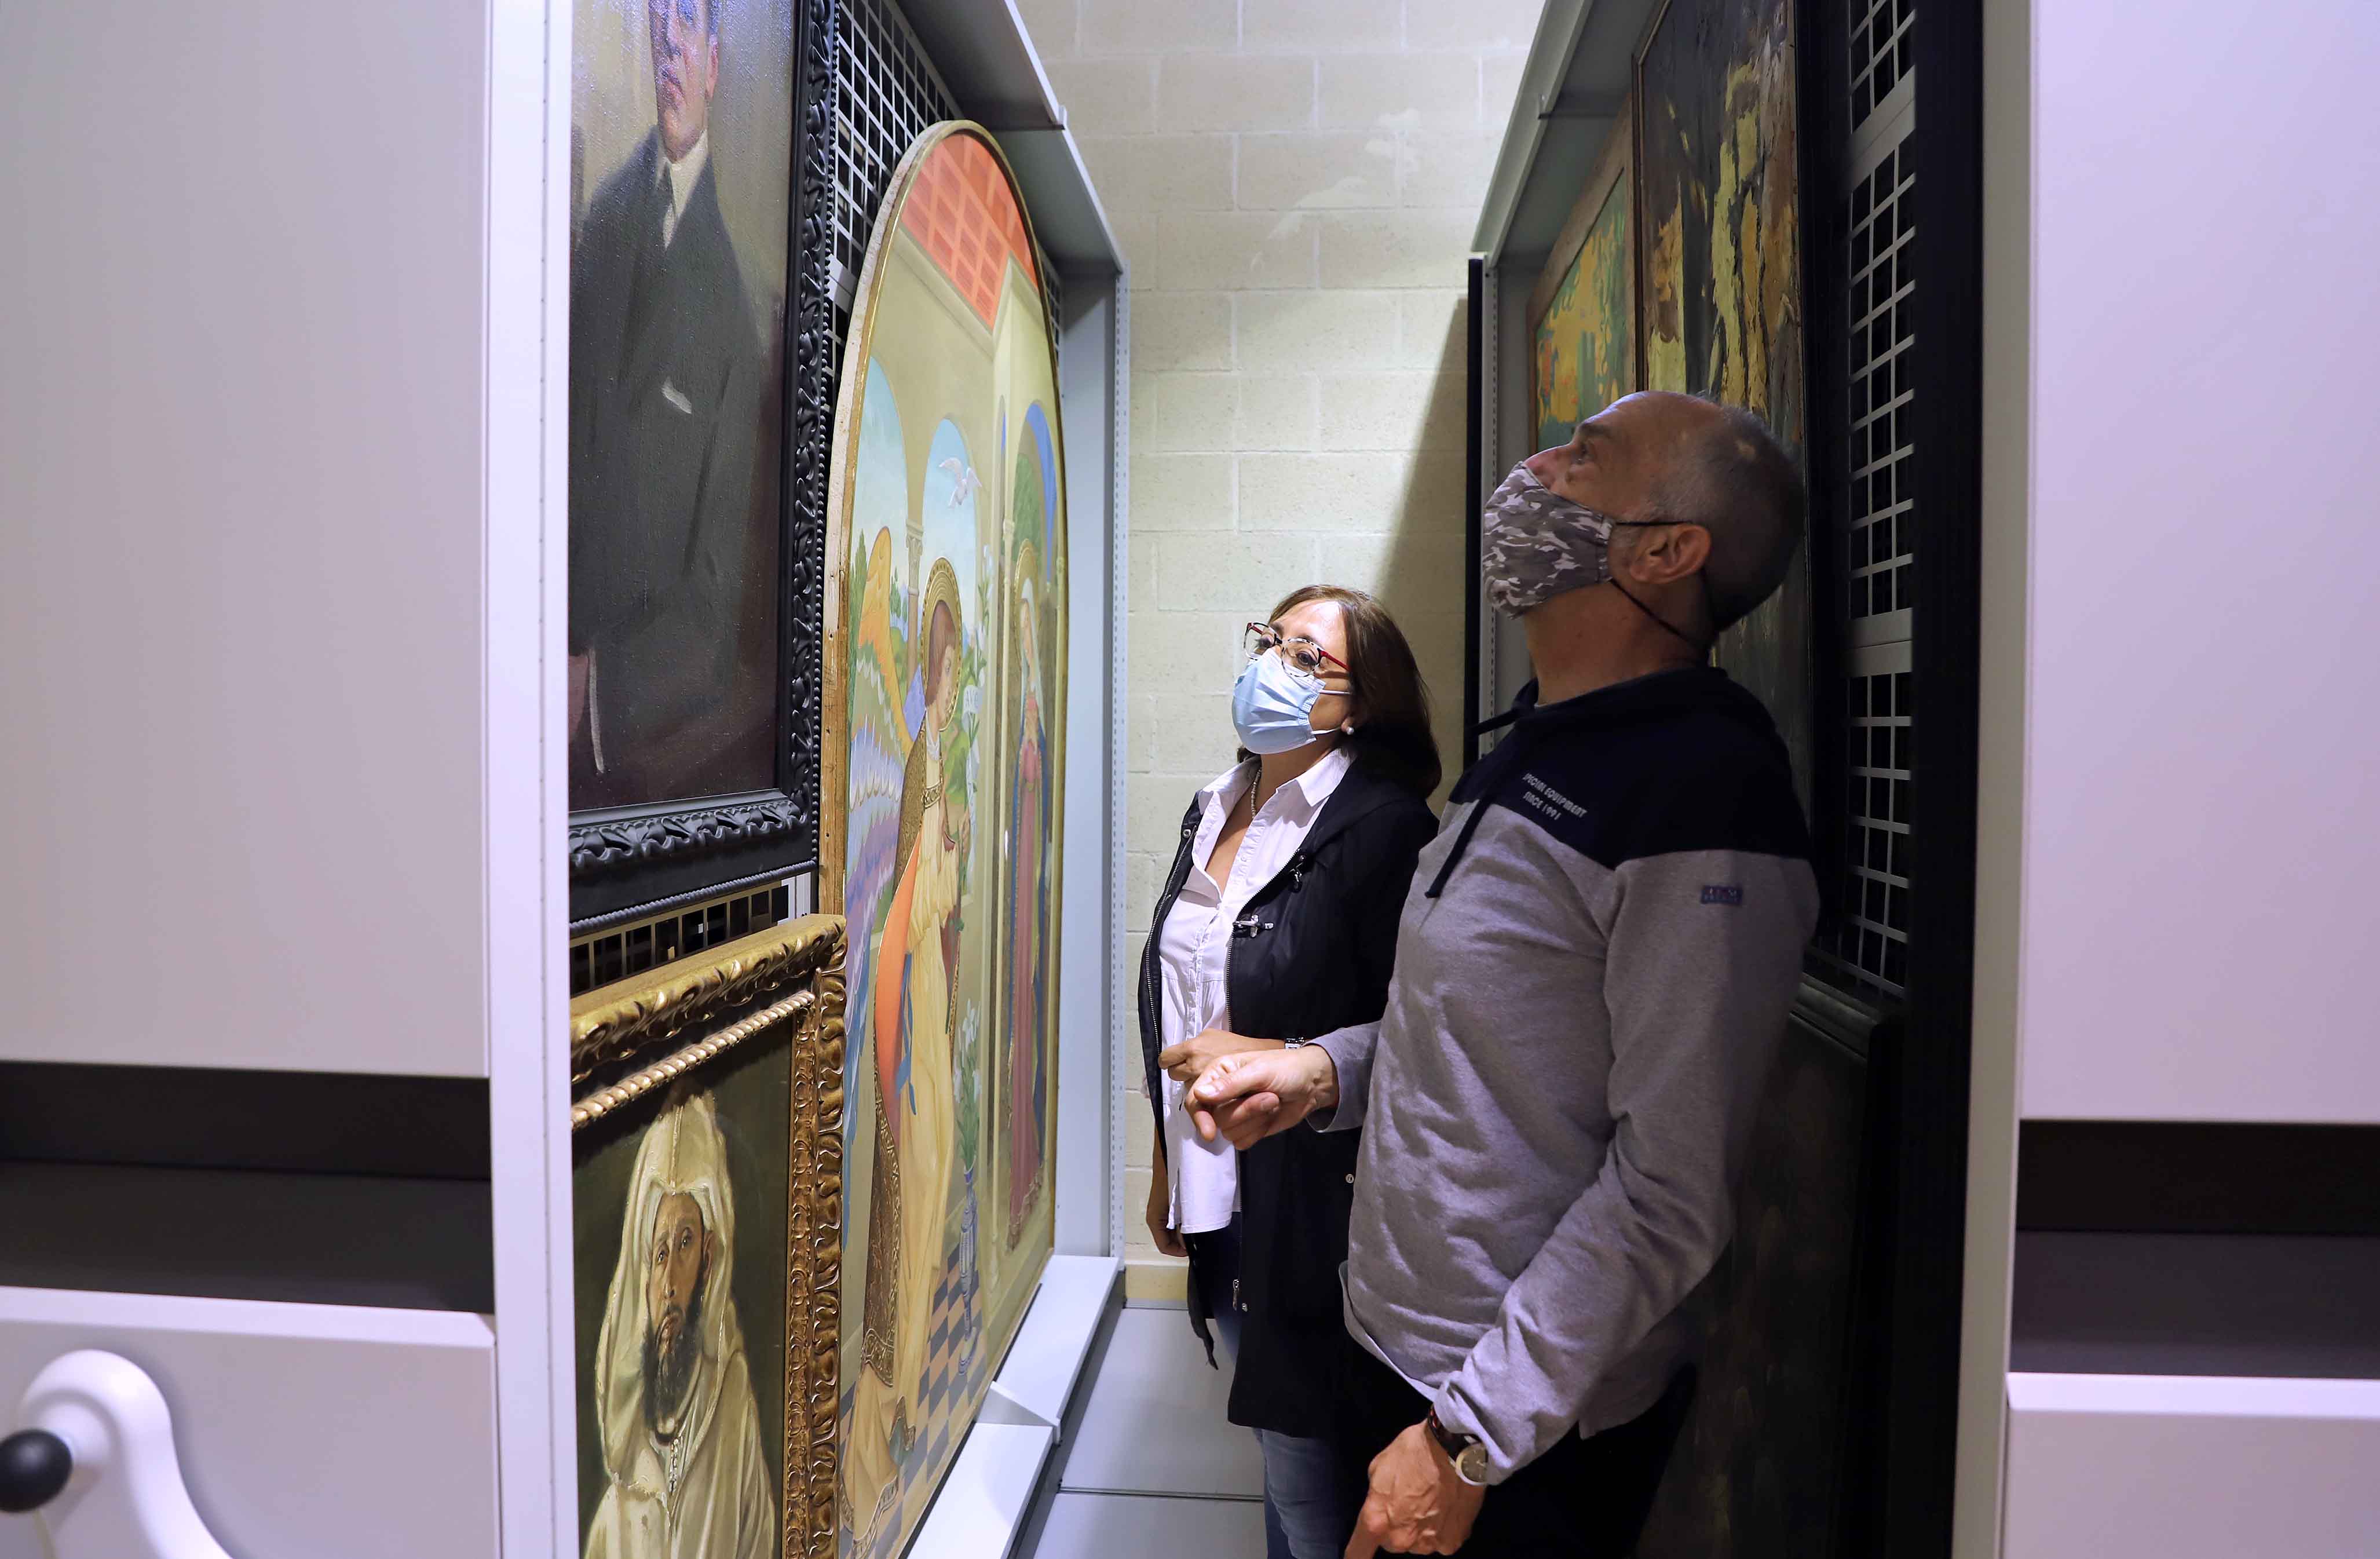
<point>578,665</point>
<point>1246,1097</point>
<point>1188,1061</point>
<point>1161,1201</point>
<point>1417,1504</point>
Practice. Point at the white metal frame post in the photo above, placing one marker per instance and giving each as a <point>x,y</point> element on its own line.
<point>1091,376</point>
<point>524,603</point>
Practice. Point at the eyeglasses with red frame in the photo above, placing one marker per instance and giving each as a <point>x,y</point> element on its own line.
<point>1301,655</point>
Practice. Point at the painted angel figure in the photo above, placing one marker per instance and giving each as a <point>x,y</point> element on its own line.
<point>902,996</point>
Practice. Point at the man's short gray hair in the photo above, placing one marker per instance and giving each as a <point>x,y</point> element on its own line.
<point>1739,484</point>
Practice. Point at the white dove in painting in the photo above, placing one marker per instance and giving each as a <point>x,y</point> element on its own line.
<point>965,484</point>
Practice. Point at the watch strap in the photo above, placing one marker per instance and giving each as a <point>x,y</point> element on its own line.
<point>1458,1448</point>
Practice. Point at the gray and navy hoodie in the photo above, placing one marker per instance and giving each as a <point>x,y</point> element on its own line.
<point>1592,973</point>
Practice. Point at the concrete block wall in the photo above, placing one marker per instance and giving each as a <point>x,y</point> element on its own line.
<point>1295,182</point>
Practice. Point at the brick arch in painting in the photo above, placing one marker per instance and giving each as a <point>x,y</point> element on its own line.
<point>962,215</point>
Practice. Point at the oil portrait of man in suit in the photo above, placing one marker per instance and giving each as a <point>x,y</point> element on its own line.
<point>681,116</point>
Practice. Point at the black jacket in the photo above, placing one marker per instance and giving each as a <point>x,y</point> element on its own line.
<point>666,412</point>
<point>1311,952</point>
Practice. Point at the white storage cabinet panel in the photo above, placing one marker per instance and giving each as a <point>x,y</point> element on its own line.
<point>2192,1467</point>
<point>305,1431</point>
<point>2198,919</point>
<point>240,534</point>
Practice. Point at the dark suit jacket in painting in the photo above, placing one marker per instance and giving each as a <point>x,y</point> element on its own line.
<point>666,401</point>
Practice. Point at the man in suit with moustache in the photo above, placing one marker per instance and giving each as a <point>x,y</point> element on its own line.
<point>665,392</point>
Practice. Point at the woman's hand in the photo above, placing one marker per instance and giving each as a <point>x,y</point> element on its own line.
<point>1188,1061</point>
<point>1161,1198</point>
<point>1245,1098</point>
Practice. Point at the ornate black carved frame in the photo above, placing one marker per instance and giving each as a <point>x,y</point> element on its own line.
<point>633,856</point>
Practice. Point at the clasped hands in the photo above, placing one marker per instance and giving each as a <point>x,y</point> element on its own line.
<point>1244,1089</point>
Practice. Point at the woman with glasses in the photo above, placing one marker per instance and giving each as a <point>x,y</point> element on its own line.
<point>1279,918</point>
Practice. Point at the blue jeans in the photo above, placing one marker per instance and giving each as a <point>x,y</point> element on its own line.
<point>1309,1502</point>
<point>1226,1323</point>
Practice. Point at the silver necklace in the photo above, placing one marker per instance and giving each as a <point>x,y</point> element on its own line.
<point>1256,802</point>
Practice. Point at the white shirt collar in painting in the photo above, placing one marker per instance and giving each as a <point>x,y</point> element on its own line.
<point>683,175</point>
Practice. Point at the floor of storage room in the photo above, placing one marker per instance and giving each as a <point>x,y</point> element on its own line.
<point>1154,1471</point>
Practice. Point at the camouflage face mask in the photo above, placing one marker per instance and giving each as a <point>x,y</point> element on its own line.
<point>1534,544</point>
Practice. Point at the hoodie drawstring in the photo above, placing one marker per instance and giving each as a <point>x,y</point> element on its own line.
<point>1483,779</point>
<point>1461,843</point>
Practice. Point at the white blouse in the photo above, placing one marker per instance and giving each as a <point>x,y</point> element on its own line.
<point>1193,955</point>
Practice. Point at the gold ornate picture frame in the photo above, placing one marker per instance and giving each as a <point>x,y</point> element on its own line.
<point>709,1303</point>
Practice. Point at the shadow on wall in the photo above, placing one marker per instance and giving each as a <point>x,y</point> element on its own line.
<point>1422,573</point>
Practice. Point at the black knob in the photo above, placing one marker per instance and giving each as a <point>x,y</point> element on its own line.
<point>34,1465</point>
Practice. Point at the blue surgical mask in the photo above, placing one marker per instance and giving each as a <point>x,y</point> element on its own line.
<point>1272,707</point>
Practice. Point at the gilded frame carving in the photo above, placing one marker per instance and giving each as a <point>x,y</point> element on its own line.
<point>625,1046</point>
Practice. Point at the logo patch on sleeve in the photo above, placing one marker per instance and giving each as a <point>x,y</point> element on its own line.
<point>1723,893</point>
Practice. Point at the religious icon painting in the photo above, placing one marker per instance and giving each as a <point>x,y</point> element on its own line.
<point>1024,981</point>
<point>705,1136</point>
<point>944,757</point>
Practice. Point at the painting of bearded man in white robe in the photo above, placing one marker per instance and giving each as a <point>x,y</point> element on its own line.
<point>686,1462</point>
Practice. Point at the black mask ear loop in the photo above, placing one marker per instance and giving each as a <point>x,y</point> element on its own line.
<point>1684,636</point>
<point>1613,580</point>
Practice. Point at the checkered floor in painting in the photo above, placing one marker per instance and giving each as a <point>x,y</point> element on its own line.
<point>950,1355</point>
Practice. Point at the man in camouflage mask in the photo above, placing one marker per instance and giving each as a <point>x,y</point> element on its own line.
<point>1534,544</point>
<point>1522,1306</point>
<point>1651,461</point>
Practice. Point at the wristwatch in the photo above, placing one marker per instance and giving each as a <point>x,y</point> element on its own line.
<point>1468,1452</point>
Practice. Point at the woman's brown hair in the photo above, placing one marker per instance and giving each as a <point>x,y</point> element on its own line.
<point>1391,703</point>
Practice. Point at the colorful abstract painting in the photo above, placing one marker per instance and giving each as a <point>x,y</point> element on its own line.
<point>1722,257</point>
<point>1586,338</point>
<point>941,828</point>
